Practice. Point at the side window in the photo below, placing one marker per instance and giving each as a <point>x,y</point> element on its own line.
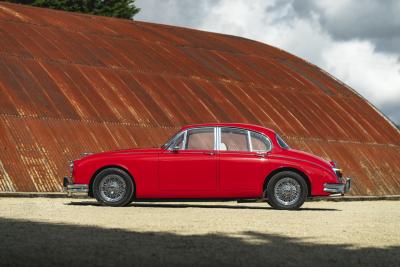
<point>259,142</point>
<point>200,139</point>
<point>233,139</point>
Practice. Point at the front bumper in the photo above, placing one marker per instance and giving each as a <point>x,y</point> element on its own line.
<point>74,189</point>
<point>338,188</point>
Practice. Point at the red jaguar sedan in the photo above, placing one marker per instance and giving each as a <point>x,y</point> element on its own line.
<point>208,161</point>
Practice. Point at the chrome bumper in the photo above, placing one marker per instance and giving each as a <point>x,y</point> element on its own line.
<point>74,189</point>
<point>338,188</point>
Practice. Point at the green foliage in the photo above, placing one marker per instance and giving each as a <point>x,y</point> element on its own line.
<point>112,8</point>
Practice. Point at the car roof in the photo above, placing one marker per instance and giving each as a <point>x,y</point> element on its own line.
<point>237,125</point>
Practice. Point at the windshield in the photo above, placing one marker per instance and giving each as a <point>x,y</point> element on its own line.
<point>281,142</point>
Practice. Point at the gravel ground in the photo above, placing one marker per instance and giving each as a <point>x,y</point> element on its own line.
<point>71,232</point>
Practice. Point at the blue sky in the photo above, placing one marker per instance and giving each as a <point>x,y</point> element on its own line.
<point>356,41</point>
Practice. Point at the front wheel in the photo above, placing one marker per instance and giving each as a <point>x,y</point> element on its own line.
<point>113,187</point>
<point>287,190</point>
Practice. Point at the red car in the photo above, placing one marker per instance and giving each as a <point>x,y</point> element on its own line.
<point>208,161</point>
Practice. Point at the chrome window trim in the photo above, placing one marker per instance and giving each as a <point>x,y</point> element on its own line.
<point>184,140</point>
<point>216,136</point>
<point>249,141</point>
<point>248,136</point>
<point>218,139</point>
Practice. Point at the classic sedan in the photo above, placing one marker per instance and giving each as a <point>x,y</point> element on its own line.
<point>208,161</point>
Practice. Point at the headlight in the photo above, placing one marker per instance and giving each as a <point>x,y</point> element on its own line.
<point>338,173</point>
<point>71,166</point>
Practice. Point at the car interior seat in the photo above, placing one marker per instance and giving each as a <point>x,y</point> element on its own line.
<point>223,147</point>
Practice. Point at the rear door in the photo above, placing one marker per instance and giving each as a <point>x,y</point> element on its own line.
<point>242,154</point>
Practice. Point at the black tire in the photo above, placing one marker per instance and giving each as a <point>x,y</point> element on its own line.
<point>119,177</point>
<point>296,182</point>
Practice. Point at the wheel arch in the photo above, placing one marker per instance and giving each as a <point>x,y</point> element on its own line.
<point>282,169</point>
<point>104,168</point>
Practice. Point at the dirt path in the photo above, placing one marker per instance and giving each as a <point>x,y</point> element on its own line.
<point>49,232</point>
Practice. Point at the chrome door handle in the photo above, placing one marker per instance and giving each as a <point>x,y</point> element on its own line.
<point>261,154</point>
<point>209,153</point>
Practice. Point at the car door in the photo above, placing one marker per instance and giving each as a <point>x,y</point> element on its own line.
<point>188,168</point>
<point>242,154</point>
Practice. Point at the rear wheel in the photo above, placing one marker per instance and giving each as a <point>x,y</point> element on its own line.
<point>287,190</point>
<point>113,187</point>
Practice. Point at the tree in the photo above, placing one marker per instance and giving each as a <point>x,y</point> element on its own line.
<point>112,8</point>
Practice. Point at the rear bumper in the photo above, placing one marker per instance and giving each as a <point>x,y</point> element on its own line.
<point>340,188</point>
<point>74,189</point>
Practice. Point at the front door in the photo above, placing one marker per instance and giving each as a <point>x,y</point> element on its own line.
<point>188,168</point>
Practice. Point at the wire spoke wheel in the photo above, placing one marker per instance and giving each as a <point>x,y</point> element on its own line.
<point>113,188</point>
<point>287,191</point>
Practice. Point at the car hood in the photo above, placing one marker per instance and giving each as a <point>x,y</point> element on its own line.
<point>297,154</point>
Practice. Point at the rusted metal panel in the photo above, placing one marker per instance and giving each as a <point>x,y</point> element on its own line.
<point>71,83</point>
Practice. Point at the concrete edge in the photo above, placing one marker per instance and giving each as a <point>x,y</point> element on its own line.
<point>355,198</point>
<point>39,194</point>
<point>64,195</point>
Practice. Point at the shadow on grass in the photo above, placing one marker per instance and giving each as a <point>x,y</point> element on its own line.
<point>186,205</point>
<point>26,243</point>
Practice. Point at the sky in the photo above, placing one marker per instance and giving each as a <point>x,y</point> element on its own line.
<point>357,41</point>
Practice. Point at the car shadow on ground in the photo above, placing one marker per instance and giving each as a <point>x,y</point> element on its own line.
<point>200,206</point>
<point>27,243</point>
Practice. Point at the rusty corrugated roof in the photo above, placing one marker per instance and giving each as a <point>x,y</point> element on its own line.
<point>71,83</point>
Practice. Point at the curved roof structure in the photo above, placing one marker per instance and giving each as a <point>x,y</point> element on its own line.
<point>71,83</point>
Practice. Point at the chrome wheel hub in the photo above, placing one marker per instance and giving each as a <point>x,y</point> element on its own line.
<point>287,191</point>
<point>112,188</point>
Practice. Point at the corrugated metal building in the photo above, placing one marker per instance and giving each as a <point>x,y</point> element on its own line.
<point>71,83</point>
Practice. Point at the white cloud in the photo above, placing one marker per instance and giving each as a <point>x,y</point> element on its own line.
<point>374,74</point>
<point>302,37</point>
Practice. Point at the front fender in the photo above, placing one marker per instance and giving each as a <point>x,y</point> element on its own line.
<point>142,168</point>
